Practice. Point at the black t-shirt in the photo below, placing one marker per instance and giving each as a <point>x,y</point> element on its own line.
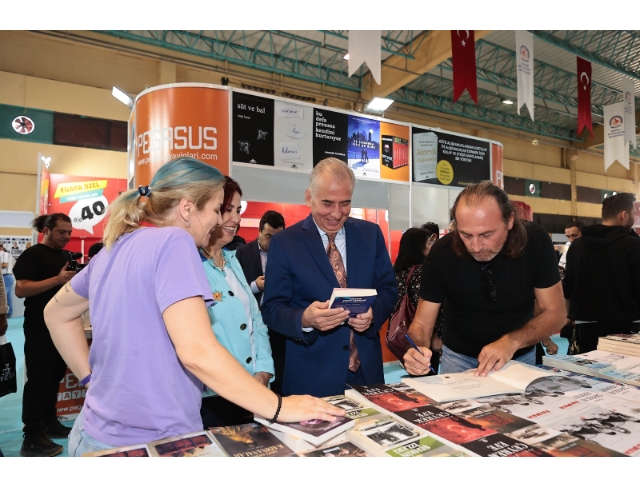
<point>38,263</point>
<point>472,321</point>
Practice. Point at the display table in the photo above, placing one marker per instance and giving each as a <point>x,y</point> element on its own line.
<point>564,415</point>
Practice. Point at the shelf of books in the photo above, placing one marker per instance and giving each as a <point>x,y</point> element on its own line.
<point>573,406</point>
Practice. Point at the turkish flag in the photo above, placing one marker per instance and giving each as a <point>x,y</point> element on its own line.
<point>463,48</point>
<point>584,96</point>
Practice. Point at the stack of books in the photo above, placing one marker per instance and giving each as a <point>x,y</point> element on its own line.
<point>623,344</point>
<point>614,366</point>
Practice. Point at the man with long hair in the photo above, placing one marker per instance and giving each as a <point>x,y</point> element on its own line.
<point>40,272</point>
<point>489,272</point>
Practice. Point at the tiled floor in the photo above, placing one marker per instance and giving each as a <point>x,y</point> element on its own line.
<point>11,405</point>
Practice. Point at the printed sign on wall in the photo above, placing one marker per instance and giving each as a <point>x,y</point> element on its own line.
<point>181,121</point>
<point>364,146</point>
<point>449,160</point>
<point>293,136</point>
<point>253,127</point>
<point>85,200</point>
<point>329,135</point>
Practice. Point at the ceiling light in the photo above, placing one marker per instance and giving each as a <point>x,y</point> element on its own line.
<point>378,105</point>
<point>346,57</point>
<point>506,101</point>
<point>122,96</point>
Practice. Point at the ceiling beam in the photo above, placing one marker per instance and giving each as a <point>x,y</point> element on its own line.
<point>434,48</point>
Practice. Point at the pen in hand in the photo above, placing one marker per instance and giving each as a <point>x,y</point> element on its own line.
<point>418,350</point>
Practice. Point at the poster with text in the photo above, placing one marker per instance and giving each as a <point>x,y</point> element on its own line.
<point>180,121</point>
<point>293,136</point>
<point>449,160</point>
<point>364,146</point>
<point>394,141</point>
<point>85,200</point>
<point>329,135</point>
<point>252,136</point>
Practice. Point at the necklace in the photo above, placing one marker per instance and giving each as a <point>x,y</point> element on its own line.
<point>213,260</point>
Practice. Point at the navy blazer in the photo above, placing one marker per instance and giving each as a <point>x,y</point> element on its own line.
<point>249,257</point>
<point>299,273</point>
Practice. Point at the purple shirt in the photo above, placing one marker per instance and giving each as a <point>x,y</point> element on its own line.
<point>140,391</point>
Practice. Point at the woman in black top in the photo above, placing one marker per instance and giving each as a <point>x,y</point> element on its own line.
<point>414,246</point>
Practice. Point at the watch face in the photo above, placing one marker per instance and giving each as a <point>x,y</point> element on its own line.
<point>23,125</point>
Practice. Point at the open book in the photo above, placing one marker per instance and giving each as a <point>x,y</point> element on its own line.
<point>356,301</point>
<point>513,378</point>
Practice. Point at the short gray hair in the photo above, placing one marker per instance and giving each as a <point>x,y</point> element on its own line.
<point>337,169</point>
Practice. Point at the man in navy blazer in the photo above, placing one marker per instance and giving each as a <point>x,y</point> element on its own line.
<point>300,281</point>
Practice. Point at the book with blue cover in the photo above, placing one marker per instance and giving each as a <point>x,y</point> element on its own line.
<point>356,301</point>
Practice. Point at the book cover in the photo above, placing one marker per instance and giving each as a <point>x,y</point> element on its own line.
<point>376,435</point>
<point>577,363</point>
<point>346,449</point>
<point>393,400</point>
<point>565,445</point>
<point>620,361</point>
<point>533,434</point>
<point>499,445</point>
<point>446,425</point>
<point>457,407</point>
<point>356,301</point>
<point>495,419</point>
<point>354,409</point>
<point>249,440</point>
<point>314,431</point>
<point>198,444</point>
<point>426,446</point>
<point>123,451</point>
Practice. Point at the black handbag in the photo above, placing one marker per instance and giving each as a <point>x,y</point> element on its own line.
<point>8,382</point>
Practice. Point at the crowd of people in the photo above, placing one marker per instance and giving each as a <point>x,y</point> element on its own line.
<point>191,329</point>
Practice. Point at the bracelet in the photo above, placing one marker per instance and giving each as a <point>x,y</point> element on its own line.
<point>86,380</point>
<point>275,416</point>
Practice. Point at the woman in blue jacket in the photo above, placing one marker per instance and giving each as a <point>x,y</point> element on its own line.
<point>235,317</point>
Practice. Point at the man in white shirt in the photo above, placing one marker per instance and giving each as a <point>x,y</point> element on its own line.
<point>6,262</point>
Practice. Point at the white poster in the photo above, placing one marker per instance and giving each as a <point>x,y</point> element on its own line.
<point>629,100</point>
<point>365,47</point>
<point>615,147</point>
<point>524,56</point>
<point>293,132</point>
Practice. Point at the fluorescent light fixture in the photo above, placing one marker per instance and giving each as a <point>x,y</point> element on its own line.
<point>506,101</point>
<point>378,105</point>
<point>122,96</point>
<point>346,57</point>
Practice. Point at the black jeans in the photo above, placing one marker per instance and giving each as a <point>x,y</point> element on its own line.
<point>45,370</point>
<point>587,334</point>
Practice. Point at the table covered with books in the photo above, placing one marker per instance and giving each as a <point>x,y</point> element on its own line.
<point>578,406</point>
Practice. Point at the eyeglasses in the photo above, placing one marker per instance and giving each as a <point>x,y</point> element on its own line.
<point>489,290</point>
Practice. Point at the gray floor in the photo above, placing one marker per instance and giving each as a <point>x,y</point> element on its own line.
<point>11,405</point>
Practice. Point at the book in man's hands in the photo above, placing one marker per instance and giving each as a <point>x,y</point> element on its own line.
<point>356,301</point>
<point>314,431</point>
<point>513,378</point>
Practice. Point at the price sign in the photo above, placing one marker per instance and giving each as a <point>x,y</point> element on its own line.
<point>87,213</point>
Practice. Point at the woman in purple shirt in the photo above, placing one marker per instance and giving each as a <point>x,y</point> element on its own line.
<point>153,346</point>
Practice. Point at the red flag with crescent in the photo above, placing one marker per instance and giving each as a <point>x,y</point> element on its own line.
<point>584,96</point>
<point>463,49</point>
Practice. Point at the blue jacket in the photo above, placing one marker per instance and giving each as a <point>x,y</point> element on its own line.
<point>298,273</point>
<point>229,315</point>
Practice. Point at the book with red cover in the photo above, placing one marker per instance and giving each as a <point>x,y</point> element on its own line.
<point>391,399</point>
<point>495,419</point>
<point>446,425</point>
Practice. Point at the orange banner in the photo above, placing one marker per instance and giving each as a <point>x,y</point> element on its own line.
<point>181,121</point>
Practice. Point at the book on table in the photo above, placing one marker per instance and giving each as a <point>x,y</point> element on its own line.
<point>627,344</point>
<point>354,300</point>
<point>123,451</point>
<point>345,449</point>
<point>198,444</point>
<point>578,363</point>
<point>376,435</point>
<point>513,378</point>
<point>249,440</point>
<point>392,397</point>
<point>314,431</point>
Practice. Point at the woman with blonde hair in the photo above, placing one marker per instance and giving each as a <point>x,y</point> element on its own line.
<point>153,346</point>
